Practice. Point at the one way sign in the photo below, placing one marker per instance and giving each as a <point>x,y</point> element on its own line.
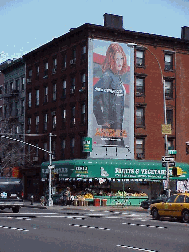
<point>167,159</point>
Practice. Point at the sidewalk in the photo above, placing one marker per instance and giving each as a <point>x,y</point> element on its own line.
<point>86,208</point>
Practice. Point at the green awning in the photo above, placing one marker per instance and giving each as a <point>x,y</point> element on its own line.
<point>112,168</point>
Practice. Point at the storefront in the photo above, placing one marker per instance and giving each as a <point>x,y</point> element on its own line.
<point>131,181</point>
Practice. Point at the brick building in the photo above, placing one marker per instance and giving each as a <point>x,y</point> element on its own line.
<point>58,90</point>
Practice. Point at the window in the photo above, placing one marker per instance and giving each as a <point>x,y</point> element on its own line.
<point>29,125</point>
<point>5,88</point>
<point>83,80</point>
<point>37,124</point>
<point>83,114</point>
<point>17,84</point>
<point>54,66</point>
<point>168,89</point>
<point>64,59</point>
<point>64,89</point>
<point>45,153</point>
<point>139,86</point>
<point>72,89</point>
<point>169,114</point>
<point>73,115</point>
<point>30,73</point>
<point>11,86</point>
<point>53,149</point>
<point>29,100</point>
<point>37,71</point>
<point>54,92</point>
<point>170,144</point>
<point>54,120</point>
<point>180,199</point>
<point>45,94</point>
<point>37,97</point>
<point>22,107</point>
<point>23,83</point>
<point>64,116</point>
<point>83,52</point>
<point>139,58</point>
<point>16,108</point>
<point>45,122</point>
<point>73,57</point>
<point>172,198</point>
<point>63,148</point>
<point>187,199</point>
<point>168,62</point>
<point>140,117</point>
<point>46,66</point>
<point>140,148</point>
<point>72,145</point>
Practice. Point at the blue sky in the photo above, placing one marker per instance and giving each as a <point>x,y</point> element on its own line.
<point>28,24</point>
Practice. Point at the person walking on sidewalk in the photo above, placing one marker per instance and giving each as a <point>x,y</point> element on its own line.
<point>66,196</point>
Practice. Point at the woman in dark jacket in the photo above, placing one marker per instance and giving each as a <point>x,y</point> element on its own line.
<point>109,92</point>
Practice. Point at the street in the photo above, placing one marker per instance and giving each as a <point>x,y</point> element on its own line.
<point>68,230</point>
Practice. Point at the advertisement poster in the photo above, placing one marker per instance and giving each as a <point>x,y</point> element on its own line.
<point>113,99</point>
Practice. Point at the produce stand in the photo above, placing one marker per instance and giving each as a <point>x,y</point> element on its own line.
<point>120,200</point>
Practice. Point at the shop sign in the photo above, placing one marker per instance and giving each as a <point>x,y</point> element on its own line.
<point>141,173</point>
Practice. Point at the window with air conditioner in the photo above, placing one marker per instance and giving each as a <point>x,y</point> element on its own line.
<point>139,86</point>
<point>72,89</point>
<point>168,89</point>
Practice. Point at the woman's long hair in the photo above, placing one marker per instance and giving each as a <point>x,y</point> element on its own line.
<point>110,63</point>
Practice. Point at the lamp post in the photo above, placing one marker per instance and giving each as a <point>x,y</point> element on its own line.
<point>50,167</point>
<point>165,116</point>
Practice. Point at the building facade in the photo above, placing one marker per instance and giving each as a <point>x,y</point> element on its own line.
<point>60,80</point>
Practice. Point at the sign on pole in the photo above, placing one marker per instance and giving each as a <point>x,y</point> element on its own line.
<point>87,144</point>
<point>166,129</point>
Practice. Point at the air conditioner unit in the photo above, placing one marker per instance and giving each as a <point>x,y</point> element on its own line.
<point>28,131</point>
<point>28,80</point>
<point>35,159</point>
<point>71,61</point>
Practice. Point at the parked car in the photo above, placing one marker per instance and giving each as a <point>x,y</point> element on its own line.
<point>176,206</point>
<point>146,203</point>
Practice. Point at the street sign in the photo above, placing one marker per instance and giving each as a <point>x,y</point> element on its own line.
<point>171,164</point>
<point>166,129</point>
<point>167,159</point>
<point>172,152</point>
<point>51,166</point>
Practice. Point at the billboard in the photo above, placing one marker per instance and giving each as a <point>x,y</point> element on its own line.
<point>111,99</point>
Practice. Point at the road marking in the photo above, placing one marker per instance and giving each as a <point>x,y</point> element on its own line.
<point>76,225</point>
<point>141,225</point>
<point>135,248</point>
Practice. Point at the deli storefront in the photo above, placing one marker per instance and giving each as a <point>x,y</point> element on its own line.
<point>126,182</point>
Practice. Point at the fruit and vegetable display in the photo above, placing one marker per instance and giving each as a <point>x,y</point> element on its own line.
<point>118,194</point>
<point>123,193</point>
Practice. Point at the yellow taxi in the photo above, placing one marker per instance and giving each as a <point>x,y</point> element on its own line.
<point>176,206</point>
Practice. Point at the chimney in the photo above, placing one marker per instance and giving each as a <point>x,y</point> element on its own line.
<point>185,32</point>
<point>113,21</point>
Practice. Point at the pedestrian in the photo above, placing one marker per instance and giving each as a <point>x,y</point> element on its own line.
<point>66,196</point>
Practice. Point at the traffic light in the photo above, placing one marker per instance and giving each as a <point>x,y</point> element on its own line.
<point>176,171</point>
